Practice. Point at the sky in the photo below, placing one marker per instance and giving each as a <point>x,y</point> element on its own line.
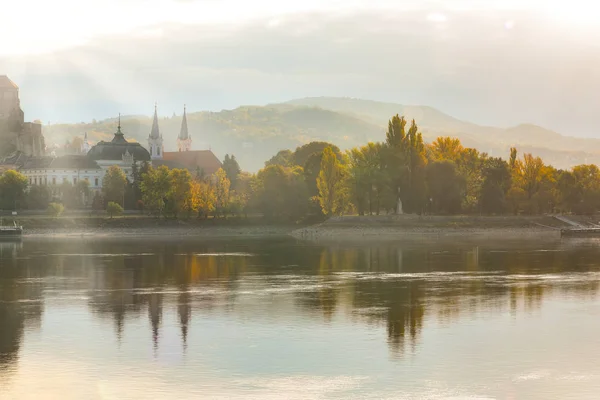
<point>488,61</point>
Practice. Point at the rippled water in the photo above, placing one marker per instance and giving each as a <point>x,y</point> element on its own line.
<point>273,319</point>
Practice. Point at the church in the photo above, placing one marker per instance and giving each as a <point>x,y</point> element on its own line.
<point>195,161</point>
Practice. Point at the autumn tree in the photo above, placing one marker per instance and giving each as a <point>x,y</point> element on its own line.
<point>155,187</point>
<point>179,192</point>
<point>445,148</point>
<point>113,184</point>
<point>13,185</point>
<point>222,186</point>
<point>331,184</point>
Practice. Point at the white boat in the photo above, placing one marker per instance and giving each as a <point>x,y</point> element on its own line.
<point>10,230</point>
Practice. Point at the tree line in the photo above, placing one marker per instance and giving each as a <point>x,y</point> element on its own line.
<point>317,179</point>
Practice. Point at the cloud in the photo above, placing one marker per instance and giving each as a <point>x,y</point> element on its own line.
<point>473,67</point>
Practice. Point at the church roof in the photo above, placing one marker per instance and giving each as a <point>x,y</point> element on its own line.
<point>183,133</point>
<point>6,83</point>
<point>191,160</point>
<point>117,148</point>
<point>155,132</point>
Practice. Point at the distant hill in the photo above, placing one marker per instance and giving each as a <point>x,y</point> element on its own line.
<point>255,133</point>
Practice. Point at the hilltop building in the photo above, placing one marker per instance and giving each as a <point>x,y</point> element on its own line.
<point>16,135</point>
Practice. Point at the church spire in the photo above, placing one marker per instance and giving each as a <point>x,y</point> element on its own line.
<point>155,132</point>
<point>183,133</point>
<point>155,140</point>
<point>184,141</point>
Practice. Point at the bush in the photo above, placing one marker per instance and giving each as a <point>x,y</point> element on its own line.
<point>55,209</point>
<point>114,209</point>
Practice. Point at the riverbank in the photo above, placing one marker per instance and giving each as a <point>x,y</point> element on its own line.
<point>133,226</point>
<point>394,227</point>
<point>347,228</point>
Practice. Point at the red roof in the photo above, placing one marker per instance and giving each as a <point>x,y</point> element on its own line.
<point>203,159</point>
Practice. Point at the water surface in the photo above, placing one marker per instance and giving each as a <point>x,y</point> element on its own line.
<point>191,318</point>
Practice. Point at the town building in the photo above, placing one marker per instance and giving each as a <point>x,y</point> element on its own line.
<point>118,152</point>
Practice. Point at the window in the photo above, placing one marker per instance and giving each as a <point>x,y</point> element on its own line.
<point>35,180</point>
<point>54,180</point>
<point>46,180</point>
<point>96,182</point>
<point>30,180</point>
<point>74,181</point>
<point>64,180</point>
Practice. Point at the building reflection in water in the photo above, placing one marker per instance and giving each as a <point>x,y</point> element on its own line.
<point>396,288</point>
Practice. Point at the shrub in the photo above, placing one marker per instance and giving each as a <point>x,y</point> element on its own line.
<point>114,209</point>
<point>55,209</point>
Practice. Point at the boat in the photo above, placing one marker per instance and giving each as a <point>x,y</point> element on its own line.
<point>581,232</point>
<point>7,231</point>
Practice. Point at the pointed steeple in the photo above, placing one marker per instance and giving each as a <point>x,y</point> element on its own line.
<point>155,141</point>
<point>155,132</point>
<point>184,141</point>
<point>183,133</point>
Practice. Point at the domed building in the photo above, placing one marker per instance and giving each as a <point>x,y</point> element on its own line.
<point>118,152</point>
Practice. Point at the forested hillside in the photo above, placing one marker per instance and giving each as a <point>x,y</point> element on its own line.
<point>255,133</point>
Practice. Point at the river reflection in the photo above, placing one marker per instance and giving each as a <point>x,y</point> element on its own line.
<point>264,318</point>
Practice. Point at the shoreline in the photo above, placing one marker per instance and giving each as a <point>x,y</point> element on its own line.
<point>413,227</point>
<point>346,228</point>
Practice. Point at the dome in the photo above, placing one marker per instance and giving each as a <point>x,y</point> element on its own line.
<point>117,148</point>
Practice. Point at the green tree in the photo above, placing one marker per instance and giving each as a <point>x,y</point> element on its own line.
<point>55,209</point>
<point>303,153</point>
<point>331,184</point>
<point>114,209</point>
<point>367,178</point>
<point>179,191</point>
<point>232,169</point>
<point>497,181</point>
<point>113,184</point>
<point>12,190</point>
<point>38,197</point>
<point>155,189</point>
<point>587,184</point>
<point>282,158</point>
<point>222,186</point>
<point>406,162</point>
<point>446,187</point>
<point>280,192</point>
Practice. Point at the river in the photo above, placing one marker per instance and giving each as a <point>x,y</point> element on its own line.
<point>154,318</point>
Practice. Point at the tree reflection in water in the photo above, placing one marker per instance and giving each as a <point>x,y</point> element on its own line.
<point>400,288</point>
